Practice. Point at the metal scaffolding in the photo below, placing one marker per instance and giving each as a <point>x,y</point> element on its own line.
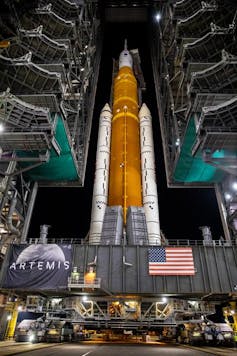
<point>49,70</point>
<point>195,76</point>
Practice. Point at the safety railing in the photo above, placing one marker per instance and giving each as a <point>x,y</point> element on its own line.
<point>170,242</point>
<point>83,283</point>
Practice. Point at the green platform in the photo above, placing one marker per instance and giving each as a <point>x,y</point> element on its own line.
<point>60,167</point>
<point>192,169</point>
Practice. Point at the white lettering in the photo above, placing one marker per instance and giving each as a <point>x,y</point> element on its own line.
<point>22,266</point>
<point>50,265</point>
<point>32,263</point>
<point>66,265</point>
<point>40,265</point>
<point>13,266</point>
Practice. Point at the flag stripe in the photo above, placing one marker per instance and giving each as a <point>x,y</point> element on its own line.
<point>178,249</point>
<point>171,261</point>
<point>172,264</point>
<point>179,259</point>
<point>176,268</point>
<point>166,273</point>
<point>169,254</point>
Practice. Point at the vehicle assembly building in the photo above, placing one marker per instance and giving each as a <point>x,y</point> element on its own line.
<point>125,274</point>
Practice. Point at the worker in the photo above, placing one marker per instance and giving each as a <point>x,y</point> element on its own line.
<point>75,275</point>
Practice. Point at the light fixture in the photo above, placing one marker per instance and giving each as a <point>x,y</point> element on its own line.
<point>1,127</point>
<point>228,196</point>
<point>158,17</point>
<point>177,142</point>
<point>192,302</point>
<point>84,298</point>
<point>234,186</point>
<point>32,338</point>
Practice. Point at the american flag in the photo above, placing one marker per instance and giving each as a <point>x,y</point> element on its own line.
<point>171,261</point>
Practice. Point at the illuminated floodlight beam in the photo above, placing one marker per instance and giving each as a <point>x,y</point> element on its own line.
<point>158,17</point>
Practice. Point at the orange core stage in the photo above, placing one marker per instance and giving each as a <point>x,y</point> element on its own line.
<point>125,186</point>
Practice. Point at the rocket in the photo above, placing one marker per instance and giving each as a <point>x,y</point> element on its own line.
<point>125,202</point>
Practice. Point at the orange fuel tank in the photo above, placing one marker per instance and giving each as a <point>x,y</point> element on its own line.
<point>125,186</point>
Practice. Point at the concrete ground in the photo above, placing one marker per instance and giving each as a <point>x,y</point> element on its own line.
<point>11,347</point>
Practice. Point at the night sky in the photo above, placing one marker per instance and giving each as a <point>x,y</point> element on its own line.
<point>182,210</point>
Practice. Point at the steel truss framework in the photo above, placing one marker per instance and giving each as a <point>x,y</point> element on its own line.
<point>107,312</point>
<point>196,79</point>
<point>49,70</point>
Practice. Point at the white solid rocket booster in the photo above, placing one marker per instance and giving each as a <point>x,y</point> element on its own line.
<point>101,183</point>
<point>149,186</point>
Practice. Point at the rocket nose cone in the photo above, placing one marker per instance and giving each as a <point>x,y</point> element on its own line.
<point>144,111</point>
<point>106,108</point>
<point>125,59</point>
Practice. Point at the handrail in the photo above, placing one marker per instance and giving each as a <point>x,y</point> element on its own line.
<point>171,242</point>
<point>83,283</point>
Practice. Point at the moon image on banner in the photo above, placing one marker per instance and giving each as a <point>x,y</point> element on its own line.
<point>41,252</point>
<point>39,266</point>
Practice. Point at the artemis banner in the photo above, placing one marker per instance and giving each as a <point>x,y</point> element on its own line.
<point>39,266</point>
